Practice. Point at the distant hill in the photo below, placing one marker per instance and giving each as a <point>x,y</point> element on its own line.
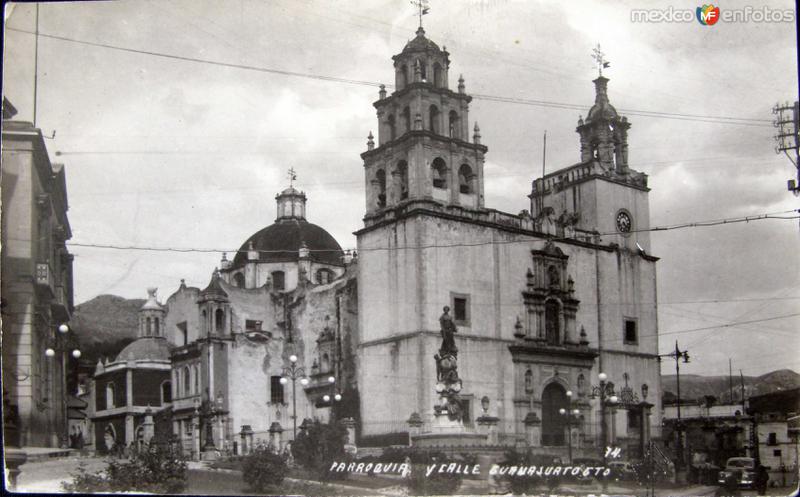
<point>697,387</point>
<point>105,325</point>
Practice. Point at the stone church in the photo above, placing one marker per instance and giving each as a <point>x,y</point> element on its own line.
<point>456,325</point>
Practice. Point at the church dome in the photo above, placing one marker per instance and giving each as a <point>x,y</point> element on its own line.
<point>420,43</point>
<point>281,241</point>
<point>603,110</point>
<point>146,349</point>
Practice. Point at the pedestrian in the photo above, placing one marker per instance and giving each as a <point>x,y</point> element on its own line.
<point>762,479</point>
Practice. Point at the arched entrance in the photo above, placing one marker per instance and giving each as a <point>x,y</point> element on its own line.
<point>554,397</point>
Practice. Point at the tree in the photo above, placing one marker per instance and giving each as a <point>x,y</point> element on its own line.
<point>318,445</point>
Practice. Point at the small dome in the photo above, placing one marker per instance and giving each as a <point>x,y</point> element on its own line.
<point>420,43</point>
<point>291,191</point>
<point>602,111</point>
<point>281,241</point>
<point>152,302</point>
<point>146,349</point>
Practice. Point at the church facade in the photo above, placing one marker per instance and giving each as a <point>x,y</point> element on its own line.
<point>543,301</point>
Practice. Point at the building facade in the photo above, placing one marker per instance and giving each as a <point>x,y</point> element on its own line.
<point>129,392</point>
<point>36,287</point>
<point>542,301</point>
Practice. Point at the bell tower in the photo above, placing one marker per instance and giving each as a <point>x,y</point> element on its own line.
<point>423,147</point>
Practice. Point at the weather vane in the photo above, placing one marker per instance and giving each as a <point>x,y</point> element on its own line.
<point>600,60</point>
<point>423,7</point>
<point>292,176</point>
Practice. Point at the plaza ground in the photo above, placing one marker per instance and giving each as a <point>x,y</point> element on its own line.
<point>46,476</point>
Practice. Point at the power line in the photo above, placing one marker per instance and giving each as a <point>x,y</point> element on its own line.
<point>695,224</point>
<point>744,121</point>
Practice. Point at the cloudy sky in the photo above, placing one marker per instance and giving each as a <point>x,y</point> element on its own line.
<point>162,152</point>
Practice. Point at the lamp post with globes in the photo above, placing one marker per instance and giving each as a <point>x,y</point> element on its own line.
<point>608,397</point>
<point>293,372</point>
<point>62,345</point>
<point>571,418</point>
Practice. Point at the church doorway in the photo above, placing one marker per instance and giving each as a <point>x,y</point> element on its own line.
<point>554,397</point>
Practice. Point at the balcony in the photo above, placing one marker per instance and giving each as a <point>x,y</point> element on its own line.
<point>44,277</point>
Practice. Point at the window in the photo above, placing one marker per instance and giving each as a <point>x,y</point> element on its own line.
<point>528,381</point>
<point>238,280</point>
<point>772,439</point>
<point>552,328</point>
<point>197,378</point>
<point>406,119</point>
<point>166,392</point>
<point>252,325</point>
<point>380,178</point>
<point>278,280</point>
<point>460,306</point>
<point>433,119</point>
<point>402,178</point>
<point>438,75</point>
<point>439,173</point>
<point>403,80</point>
<point>466,411</point>
<point>219,321</point>
<point>275,390</point>
<point>630,331</point>
<point>776,452</point>
<point>465,177</point>
<point>324,276</point>
<point>157,327</point>
<point>110,400</point>
<point>148,328</point>
<point>421,65</point>
<point>187,381</point>
<point>204,321</point>
<point>392,128</point>
<point>183,332</point>
<point>453,125</point>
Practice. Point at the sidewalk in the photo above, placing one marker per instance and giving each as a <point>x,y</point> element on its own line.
<point>46,474</point>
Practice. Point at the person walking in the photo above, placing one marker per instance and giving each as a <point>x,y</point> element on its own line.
<point>762,479</point>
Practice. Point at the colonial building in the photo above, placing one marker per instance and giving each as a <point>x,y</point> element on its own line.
<point>542,301</point>
<point>36,288</point>
<point>286,294</point>
<point>130,390</point>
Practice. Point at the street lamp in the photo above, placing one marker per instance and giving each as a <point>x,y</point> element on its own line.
<point>572,418</point>
<point>608,397</point>
<point>678,354</point>
<point>294,373</point>
<point>61,344</point>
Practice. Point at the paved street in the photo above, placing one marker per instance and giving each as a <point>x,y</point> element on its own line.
<point>47,475</point>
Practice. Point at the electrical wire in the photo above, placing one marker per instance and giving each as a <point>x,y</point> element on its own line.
<point>523,101</point>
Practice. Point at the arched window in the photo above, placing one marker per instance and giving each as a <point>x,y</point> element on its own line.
<point>148,330</point>
<point>551,323</point>
<point>110,400</point>
<point>204,321</point>
<point>433,119</point>
<point>196,378</point>
<point>422,69</point>
<point>453,125</point>
<point>326,363</point>
<point>187,381</point>
<point>438,75</point>
<point>528,381</point>
<point>156,327</point>
<point>406,119</point>
<point>380,177</point>
<point>402,177</point>
<point>278,280</point>
<point>402,79</point>
<point>324,276</point>
<point>391,123</point>
<point>439,173</point>
<point>166,392</point>
<point>238,280</point>
<point>581,384</point>
<point>219,321</point>
<point>465,178</point>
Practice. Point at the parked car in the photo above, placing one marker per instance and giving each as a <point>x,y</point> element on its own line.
<point>622,470</point>
<point>742,469</point>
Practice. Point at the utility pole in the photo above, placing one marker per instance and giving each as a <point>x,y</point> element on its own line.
<point>730,379</point>
<point>788,137</point>
<point>678,354</point>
